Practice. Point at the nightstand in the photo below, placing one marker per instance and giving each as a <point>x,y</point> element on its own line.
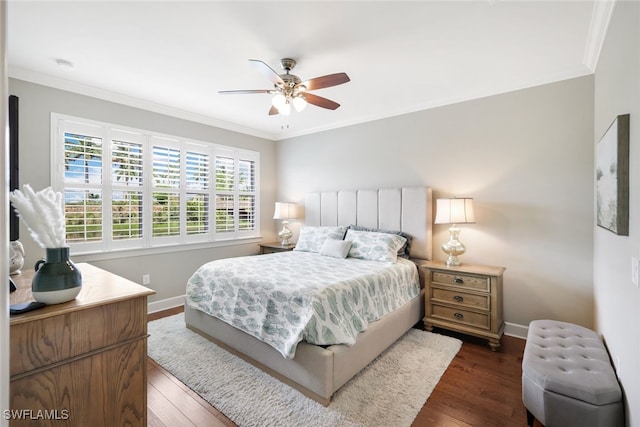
<point>466,298</point>
<point>273,247</point>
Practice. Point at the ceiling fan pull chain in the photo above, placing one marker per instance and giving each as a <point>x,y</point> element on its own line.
<point>285,124</point>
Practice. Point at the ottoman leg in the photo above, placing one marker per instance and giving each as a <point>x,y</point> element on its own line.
<point>530,418</point>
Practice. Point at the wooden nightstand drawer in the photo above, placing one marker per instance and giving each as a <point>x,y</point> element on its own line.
<point>271,248</point>
<point>461,299</point>
<point>462,280</point>
<point>477,320</point>
<point>465,298</point>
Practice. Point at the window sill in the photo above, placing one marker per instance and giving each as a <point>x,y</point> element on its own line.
<point>129,253</point>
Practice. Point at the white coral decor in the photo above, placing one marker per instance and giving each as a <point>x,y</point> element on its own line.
<point>43,214</point>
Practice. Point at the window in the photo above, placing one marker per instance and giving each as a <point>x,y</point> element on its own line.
<point>134,189</point>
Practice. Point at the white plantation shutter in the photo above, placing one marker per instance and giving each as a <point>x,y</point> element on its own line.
<point>166,164</point>
<point>197,192</point>
<point>83,157</point>
<point>126,161</point>
<point>246,215</point>
<point>247,195</point>
<point>126,214</point>
<point>225,189</point>
<point>236,195</point>
<point>127,195</point>
<point>83,215</point>
<point>129,188</point>
<point>165,177</point>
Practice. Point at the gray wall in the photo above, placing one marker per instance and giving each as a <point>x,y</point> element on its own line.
<point>617,299</point>
<point>527,159</point>
<point>169,271</point>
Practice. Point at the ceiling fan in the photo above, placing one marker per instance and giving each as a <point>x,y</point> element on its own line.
<point>289,89</point>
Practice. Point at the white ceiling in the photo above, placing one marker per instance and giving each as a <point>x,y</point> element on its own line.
<point>174,56</point>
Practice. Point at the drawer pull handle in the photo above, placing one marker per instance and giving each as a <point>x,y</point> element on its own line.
<point>458,280</point>
<point>458,316</point>
<point>458,298</point>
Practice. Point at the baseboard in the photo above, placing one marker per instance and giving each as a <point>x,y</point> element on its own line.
<point>165,304</point>
<point>515,330</point>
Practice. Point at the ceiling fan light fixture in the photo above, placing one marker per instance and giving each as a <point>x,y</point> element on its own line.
<point>299,103</point>
<point>278,101</point>
<point>285,109</point>
<point>290,89</point>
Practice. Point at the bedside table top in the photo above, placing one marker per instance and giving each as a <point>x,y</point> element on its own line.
<point>488,270</point>
<point>277,245</point>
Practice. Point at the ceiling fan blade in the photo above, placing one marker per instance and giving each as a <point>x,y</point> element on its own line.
<point>267,71</point>
<point>273,111</point>
<point>247,91</point>
<point>320,101</point>
<point>326,81</point>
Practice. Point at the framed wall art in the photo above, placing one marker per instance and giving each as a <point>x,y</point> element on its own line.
<point>612,177</point>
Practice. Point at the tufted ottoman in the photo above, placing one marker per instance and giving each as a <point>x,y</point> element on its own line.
<point>567,378</point>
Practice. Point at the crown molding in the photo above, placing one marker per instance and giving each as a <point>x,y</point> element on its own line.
<point>106,95</point>
<point>600,18</point>
<point>576,72</point>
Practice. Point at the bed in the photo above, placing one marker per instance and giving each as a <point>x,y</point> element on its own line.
<point>304,360</point>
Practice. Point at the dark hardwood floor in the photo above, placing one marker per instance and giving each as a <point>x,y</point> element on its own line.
<point>480,388</point>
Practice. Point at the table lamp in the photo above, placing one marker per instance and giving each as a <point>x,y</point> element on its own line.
<point>285,211</point>
<point>454,211</point>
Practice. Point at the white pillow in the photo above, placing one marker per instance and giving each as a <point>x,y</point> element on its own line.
<point>335,248</point>
<point>312,238</point>
<point>374,246</point>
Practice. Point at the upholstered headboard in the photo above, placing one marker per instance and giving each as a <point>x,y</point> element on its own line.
<point>407,209</point>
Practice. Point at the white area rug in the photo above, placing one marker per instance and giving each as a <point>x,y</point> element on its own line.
<point>389,392</point>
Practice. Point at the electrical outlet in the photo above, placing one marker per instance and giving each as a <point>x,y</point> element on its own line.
<point>635,266</point>
<point>146,279</point>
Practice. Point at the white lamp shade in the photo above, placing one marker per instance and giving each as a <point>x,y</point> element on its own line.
<point>285,210</point>
<point>279,100</point>
<point>299,102</point>
<point>285,109</point>
<point>454,211</point>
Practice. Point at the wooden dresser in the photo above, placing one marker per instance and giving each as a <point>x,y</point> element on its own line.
<point>84,362</point>
<point>466,299</point>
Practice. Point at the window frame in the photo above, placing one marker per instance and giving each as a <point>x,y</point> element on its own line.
<point>62,124</point>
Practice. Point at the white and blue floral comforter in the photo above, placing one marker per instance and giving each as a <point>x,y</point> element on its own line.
<point>288,297</point>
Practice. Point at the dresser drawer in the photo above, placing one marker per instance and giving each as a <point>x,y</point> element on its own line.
<point>478,320</point>
<point>462,280</point>
<point>75,334</point>
<point>460,298</point>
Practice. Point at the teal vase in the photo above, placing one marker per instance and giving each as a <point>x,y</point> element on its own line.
<point>57,279</point>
